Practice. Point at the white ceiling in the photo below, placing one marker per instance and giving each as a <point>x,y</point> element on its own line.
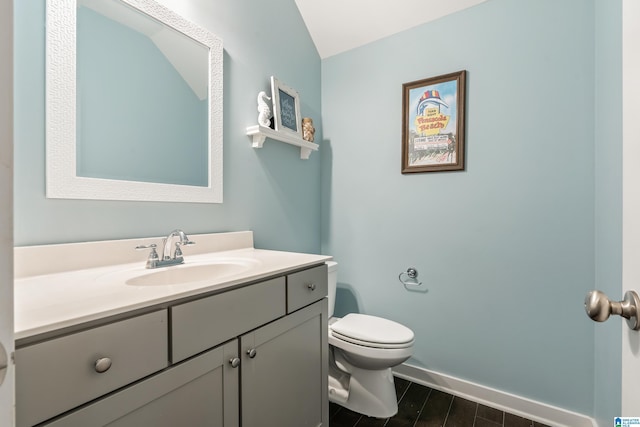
<point>340,25</point>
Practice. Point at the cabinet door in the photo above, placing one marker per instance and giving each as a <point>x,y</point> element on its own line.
<point>202,391</point>
<point>284,371</point>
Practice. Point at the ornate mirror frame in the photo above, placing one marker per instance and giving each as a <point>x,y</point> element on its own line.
<point>61,179</point>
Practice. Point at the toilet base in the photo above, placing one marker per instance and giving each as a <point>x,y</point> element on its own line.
<point>367,392</point>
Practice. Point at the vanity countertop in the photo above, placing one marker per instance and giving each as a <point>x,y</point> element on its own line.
<point>59,299</point>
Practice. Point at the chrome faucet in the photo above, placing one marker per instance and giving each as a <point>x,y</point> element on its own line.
<point>167,244</point>
<point>171,252</point>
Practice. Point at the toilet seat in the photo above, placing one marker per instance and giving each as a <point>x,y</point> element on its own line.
<point>370,344</point>
<point>372,331</point>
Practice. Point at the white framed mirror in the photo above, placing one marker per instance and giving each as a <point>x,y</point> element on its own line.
<point>111,136</point>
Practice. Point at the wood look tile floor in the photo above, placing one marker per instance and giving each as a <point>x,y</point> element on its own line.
<point>420,406</point>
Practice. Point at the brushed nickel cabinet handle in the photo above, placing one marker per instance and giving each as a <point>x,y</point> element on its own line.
<point>102,365</point>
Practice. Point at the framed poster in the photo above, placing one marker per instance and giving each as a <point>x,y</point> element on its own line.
<point>433,119</point>
<point>286,108</point>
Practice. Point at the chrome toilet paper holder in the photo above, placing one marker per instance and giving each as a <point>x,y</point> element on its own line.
<point>411,280</point>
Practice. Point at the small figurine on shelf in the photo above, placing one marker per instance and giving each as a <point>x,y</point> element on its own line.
<point>307,129</point>
<point>264,112</point>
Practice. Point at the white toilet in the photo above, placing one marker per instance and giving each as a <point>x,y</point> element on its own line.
<point>362,351</point>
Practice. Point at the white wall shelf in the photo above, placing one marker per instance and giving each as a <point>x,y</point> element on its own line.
<point>260,133</point>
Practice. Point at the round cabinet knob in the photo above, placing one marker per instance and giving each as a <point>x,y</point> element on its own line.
<point>311,286</point>
<point>102,365</point>
<point>235,362</point>
<point>252,353</point>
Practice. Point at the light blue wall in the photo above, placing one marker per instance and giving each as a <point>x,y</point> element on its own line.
<point>270,191</point>
<point>608,203</point>
<point>505,248</point>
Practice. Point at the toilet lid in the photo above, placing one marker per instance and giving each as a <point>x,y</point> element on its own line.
<point>372,331</point>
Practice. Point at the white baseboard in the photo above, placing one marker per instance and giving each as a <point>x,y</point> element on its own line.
<point>517,405</point>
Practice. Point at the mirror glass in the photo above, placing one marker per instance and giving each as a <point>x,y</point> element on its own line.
<point>141,118</point>
<point>129,66</point>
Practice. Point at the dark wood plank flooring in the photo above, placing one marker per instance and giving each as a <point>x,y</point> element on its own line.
<point>420,406</point>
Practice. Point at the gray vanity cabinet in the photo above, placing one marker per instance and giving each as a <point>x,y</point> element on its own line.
<point>284,376</point>
<point>62,373</point>
<point>255,355</point>
<point>202,391</point>
<point>206,322</point>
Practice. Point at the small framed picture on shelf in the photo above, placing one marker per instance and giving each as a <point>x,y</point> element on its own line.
<point>286,108</point>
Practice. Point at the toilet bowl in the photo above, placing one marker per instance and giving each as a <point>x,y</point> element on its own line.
<point>362,351</point>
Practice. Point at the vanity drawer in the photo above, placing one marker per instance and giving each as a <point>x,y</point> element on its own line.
<point>201,392</point>
<point>201,324</point>
<point>57,375</point>
<point>306,287</point>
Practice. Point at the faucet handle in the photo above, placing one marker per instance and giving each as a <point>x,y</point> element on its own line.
<point>152,246</point>
<point>153,259</point>
<point>178,252</point>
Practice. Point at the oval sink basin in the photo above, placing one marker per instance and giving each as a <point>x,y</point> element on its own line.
<point>181,274</point>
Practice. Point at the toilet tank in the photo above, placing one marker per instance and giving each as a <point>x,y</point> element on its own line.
<point>332,268</point>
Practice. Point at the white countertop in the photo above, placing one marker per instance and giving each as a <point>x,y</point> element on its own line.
<point>47,302</point>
